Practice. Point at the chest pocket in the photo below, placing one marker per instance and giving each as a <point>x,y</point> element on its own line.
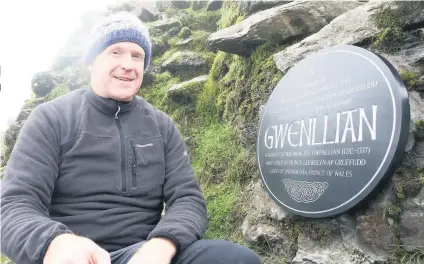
<point>148,164</point>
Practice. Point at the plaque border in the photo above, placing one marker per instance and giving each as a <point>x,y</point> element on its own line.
<point>393,151</point>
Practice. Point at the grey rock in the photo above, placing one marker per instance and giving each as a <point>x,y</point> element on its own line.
<point>148,14</point>
<point>146,11</point>
<point>260,231</point>
<point>262,202</point>
<point>416,104</point>
<point>181,4</point>
<point>159,46</point>
<point>354,27</point>
<point>214,5</point>
<point>184,42</point>
<point>198,4</point>
<point>42,83</point>
<point>412,224</point>
<point>373,227</point>
<point>165,24</point>
<point>150,75</point>
<point>334,252</point>
<point>186,64</point>
<point>254,233</point>
<point>253,6</point>
<point>185,32</point>
<point>411,138</point>
<point>163,5</point>
<point>287,22</point>
<point>186,91</point>
<point>173,31</point>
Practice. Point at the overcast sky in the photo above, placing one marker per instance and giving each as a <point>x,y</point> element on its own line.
<point>32,32</point>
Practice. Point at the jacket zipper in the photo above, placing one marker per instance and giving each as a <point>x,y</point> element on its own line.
<point>123,161</point>
<point>134,165</point>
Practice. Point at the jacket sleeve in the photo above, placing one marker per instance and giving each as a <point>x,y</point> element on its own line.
<point>185,217</point>
<point>26,230</point>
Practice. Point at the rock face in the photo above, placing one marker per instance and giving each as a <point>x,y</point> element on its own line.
<point>253,6</point>
<point>264,204</point>
<point>412,229</point>
<point>285,23</point>
<point>186,64</point>
<point>165,25</point>
<point>186,91</point>
<point>181,4</point>
<point>159,46</point>
<point>214,5</point>
<point>145,10</point>
<point>345,29</point>
<point>42,83</point>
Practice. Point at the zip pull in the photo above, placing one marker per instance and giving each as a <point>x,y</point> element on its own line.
<point>119,109</point>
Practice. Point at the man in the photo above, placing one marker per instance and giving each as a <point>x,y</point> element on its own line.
<point>90,171</point>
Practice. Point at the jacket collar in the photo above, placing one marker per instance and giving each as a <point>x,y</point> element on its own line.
<point>110,106</point>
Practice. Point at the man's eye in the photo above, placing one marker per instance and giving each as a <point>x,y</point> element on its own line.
<point>115,52</point>
<point>138,57</point>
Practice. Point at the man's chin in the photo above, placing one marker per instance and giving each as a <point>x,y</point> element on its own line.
<point>123,95</point>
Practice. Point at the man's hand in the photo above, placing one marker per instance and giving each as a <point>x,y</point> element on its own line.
<point>155,251</point>
<point>72,249</point>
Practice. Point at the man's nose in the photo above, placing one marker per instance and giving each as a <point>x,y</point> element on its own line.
<point>127,63</point>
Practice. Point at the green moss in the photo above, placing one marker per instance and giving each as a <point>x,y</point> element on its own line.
<point>196,20</point>
<point>229,15</point>
<point>56,92</point>
<point>249,81</point>
<point>419,124</point>
<point>5,260</point>
<point>316,231</point>
<point>243,168</point>
<point>393,210</point>
<point>184,32</point>
<point>156,93</point>
<point>213,154</point>
<point>219,67</point>
<point>410,79</point>
<point>206,109</point>
<point>392,24</point>
<point>187,93</point>
<point>33,102</point>
<point>415,256</point>
<point>223,216</point>
<point>390,39</point>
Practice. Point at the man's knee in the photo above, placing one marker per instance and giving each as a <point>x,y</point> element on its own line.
<point>220,251</point>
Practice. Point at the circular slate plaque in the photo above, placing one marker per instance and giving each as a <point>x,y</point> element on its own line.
<point>334,126</point>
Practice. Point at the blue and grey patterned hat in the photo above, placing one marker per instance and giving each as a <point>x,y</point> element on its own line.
<point>119,27</point>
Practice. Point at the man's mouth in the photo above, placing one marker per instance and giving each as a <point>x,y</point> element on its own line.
<point>125,79</point>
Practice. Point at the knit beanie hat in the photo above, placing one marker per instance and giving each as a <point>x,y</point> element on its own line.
<point>118,27</point>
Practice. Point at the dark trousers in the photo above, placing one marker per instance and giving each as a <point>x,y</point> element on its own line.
<point>200,252</point>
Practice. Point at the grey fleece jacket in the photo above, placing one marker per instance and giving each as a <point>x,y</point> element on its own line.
<point>101,169</point>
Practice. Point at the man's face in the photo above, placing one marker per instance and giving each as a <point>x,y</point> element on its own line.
<point>117,72</point>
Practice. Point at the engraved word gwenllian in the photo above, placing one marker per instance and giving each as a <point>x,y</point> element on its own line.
<point>303,191</point>
<point>299,131</point>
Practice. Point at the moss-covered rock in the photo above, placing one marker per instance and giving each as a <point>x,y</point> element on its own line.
<point>188,91</point>
<point>410,79</point>
<point>196,19</point>
<point>159,46</point>
<point>186,64</point>
<point>393,21</point>
<point>184,33</point>
<point>161,26</point>
<point>42,83</point>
